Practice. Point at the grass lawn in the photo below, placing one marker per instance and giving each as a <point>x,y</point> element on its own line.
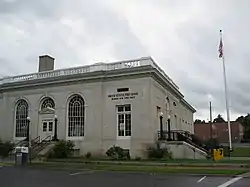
<point>241,152</point>
<point>6,164</point>
<point>142,162</point>
<point>147,169</point>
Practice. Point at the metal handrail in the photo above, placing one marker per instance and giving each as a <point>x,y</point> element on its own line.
<point>180,136</point>
<point>38,147</point>
<point>35,140</point>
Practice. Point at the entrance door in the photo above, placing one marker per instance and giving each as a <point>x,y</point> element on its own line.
<point>47,128</point>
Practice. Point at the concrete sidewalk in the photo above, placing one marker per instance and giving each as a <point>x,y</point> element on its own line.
<point>245,175</point>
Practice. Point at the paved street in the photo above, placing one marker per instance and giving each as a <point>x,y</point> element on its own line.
<point>21,177</point>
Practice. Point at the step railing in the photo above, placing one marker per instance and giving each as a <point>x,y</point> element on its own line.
<point>185,136</point>
<point>40,146</point>
<point>35,140</point>
<point>23,143</point>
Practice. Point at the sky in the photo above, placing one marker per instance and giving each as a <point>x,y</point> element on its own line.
<point>181,36</point>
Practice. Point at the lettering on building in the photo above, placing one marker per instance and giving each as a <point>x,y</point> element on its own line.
<point>132,64</point>
<point>121,96</point>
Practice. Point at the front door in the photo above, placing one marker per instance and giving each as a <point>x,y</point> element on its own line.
<point>47,128</point>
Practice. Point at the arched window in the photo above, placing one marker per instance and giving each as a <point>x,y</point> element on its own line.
<point>76,116</point>
<point>47,102</point>
<point>22,109</point>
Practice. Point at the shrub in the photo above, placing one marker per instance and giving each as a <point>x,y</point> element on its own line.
<point>137,158</point>
<point>212,143</point>
<point>88,155</point>
<point>117,153</point>
<point>62,149</point>
<point>156,152</point>
<point>5,148</point>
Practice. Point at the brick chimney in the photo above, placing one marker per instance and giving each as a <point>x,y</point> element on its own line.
<point>46,63</point>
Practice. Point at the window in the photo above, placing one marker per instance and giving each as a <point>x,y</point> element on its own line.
<point>122,89</point>
<point>47,102</point>
<point>124,120</point>
<point>21,118</point>
<point>44,126</point>
<point>176,122</point>
<point>50,126</point>
<point>76,112</point>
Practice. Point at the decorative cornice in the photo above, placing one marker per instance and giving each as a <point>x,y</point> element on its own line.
<point>141,67</point>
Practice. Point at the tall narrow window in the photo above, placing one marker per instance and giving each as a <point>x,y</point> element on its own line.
<point>176,122</point>
<point>124,120</point>
<point>76,116</point>
<point>21,118</point>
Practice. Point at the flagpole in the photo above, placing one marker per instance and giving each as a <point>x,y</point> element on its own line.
<point>226,96</point>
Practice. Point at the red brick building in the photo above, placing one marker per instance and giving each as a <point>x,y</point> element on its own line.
<point>220,131</point>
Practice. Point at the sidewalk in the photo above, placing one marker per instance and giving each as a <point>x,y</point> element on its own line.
<point>245,175</point>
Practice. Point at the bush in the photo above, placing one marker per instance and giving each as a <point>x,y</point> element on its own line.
<point>117,153</point>
<point>88,155</point>
<point>212,143</point>
<point>156,152</point>
<point>5,148</point>
<point>62,149</point>
<point>137,158</point>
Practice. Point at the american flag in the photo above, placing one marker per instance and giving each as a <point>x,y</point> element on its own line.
<point>221,49</point>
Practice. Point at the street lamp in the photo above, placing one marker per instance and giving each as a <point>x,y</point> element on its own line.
<point>169,130</point>
<point>161,125</point>
<point>28,129</point>
<point>28,138</point>
<point>55,130</point>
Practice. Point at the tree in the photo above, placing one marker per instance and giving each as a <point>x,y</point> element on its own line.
<point>245,121</point>
<point>240,119</point>
<point>219,119</point>
<point>198,121</point>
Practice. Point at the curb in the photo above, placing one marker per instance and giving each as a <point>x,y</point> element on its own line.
<point>212,165</point>
<point>156,164</point>
<point>137,172</point>
<point>243,175</point>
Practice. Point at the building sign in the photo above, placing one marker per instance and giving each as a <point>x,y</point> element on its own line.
<point>120,96</point>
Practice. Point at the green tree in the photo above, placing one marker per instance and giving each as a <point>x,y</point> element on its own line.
<point>245,121</point>
<point>219,119</point>
<point>198,121</point>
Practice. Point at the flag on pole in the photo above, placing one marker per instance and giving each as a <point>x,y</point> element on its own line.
<point>221,48</point>
<point>221,55</point>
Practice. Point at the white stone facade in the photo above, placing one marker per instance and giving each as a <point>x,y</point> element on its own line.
<point>92,102</point>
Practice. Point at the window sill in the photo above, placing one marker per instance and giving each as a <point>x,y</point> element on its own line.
<point>75,138</point>
<point>123,137</point>
<point>19,138</point>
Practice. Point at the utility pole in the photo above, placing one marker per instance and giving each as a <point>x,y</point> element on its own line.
<point>211,123</point>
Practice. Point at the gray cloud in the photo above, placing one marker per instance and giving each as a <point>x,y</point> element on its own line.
<point>182,38</point>
<point>42,9</point>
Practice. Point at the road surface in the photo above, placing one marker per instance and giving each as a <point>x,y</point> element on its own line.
<point>24,177</point>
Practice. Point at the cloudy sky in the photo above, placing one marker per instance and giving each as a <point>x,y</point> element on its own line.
<point>181,35</point>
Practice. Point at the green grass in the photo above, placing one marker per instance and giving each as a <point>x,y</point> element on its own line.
<point>241,152</point>
<point>6,164</point>
<point>147,169</point>
<point>142,162</point>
